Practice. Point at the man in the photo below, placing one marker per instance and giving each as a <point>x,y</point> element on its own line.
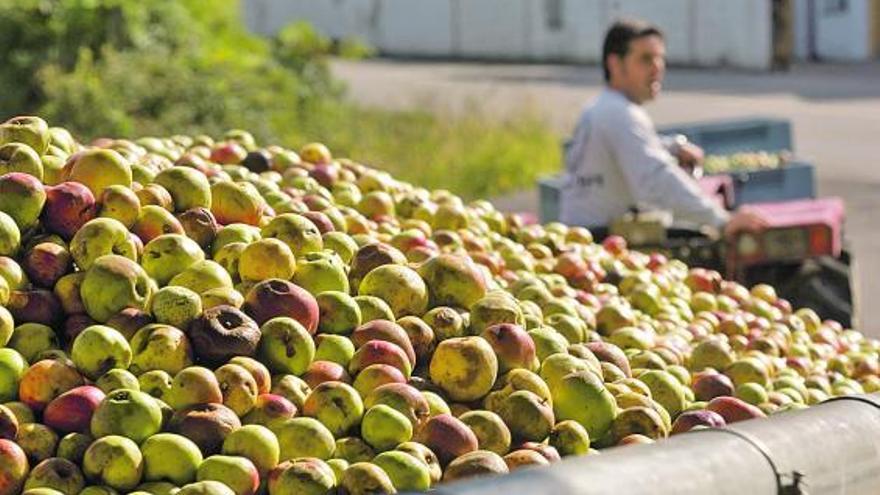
<point>616,159</point>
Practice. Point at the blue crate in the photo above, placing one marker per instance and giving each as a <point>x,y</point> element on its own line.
<point>731,136</point>
<point>794,180</point>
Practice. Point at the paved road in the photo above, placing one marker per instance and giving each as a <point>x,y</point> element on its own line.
<point>835,111</point>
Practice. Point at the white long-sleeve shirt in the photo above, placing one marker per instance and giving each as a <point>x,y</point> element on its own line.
<point>616,160</point>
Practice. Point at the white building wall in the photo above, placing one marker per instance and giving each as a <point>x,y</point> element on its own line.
<point>414,27</point>
<point>494,28</point>
<point>699,32</point>
<point>843,29</point>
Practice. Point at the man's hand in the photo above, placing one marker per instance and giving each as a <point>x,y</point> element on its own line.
<point>689,155</point>
<point>745,219</point>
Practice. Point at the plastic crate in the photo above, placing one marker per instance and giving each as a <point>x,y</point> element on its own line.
<point>732,136</point>
<point>794,180</point>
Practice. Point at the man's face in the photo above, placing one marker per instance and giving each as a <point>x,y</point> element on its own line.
<point>639,74</point>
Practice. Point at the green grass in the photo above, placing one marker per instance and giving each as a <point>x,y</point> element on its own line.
<point>474,156</point>
<point>124,69</point>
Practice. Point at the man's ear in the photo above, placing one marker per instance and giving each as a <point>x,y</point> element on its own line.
<point>615,64</point>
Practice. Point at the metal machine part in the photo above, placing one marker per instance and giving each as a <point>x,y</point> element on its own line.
<point>831,448</point>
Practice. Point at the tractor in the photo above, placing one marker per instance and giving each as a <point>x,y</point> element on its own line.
<point>802,253</point>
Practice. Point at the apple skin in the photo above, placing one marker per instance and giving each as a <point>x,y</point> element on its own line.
<point>275,297</point>
<point>129,413</point>
<point>733,409</point>
<point>221,333</point>
<point>14,466</point>
<point>45,380</point>
<point>22,197</point>
<point>154,221</point>
<point>120,203</point>
<point>170,457</point>
<point>30,130</point>
<point>689,420</point>
<point>302,475</point>
<point>447,436</point>
<point>238,473</point>
<point>17,157</point>
<point>207,425</point>
<point>10,242</point>
<point>72,411</point>
<point>38,441</point>
<point>268,408</point>
<point>97,169</point>
<point>99,237</point>
<point>710,385</point>
<point>169,254</point>
<point>99,349</point>
<point>188,187</point>
<point>160,347</point>
<point>257,443</point>
<point>112,284</point>
<point>56,473</point>
<point>200,226</point>
<point>228,153</point>
<point>114,461</point>
<point>69,206</point>
<point>233,203</point>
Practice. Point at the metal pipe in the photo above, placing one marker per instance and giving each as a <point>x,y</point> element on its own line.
<point>831,448</point>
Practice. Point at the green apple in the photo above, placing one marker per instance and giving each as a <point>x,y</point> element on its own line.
<point>286,346</point>
<point>22,197</point>
<point>98,349</point>
<point>321,271</point>
<point>383,427</point>
<point>117,378</point>
<point>400,286</point>
<point>266,258</point>
<point>238,473</point>
<point>30,130</point>
<point>170,457</point>
<point>129,413</point>
<point>407,473</point>
<point>175,306</point>
<point>168,255</point>
<point>98,168</point>
<point>32,339</point>
<point>160,347</point>
<point>114,461</point>
<point>188,187</point>
<point>202,276</point>
<point>296,231</point>
<point>334,348</point>
<point>113,283</point>
<point>335,404</point>
<point>308,476</point>
<point>257,443</point>
<point>17,157</point>
<point>303,437</point>
<point>99,237</point>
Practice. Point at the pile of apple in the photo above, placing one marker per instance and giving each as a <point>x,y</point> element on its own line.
<point>191,316</point>
<point>745,161</point>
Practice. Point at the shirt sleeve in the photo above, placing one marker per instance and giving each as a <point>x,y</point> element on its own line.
<point>652,173</point>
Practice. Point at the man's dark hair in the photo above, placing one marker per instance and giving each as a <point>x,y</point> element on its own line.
<point>619,37</point>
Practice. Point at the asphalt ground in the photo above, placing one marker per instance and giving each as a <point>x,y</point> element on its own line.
<point>834,110</point>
